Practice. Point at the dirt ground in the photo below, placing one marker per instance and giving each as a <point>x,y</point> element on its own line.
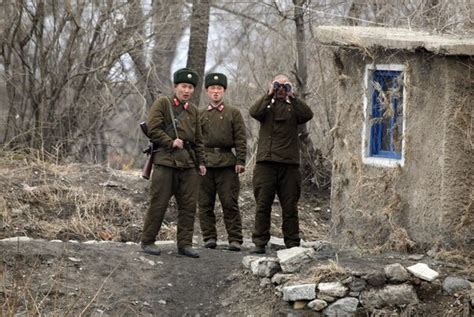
<point>78,202</point>
<point>118,279</point>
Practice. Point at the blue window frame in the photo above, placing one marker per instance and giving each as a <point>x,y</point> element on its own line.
<point>386,131</point>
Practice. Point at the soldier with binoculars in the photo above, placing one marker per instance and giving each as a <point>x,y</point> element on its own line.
<point>277,169</point>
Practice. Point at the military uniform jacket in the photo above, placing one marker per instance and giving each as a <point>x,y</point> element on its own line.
<point>161,133</point>
<point>222,131</point>
<point>279,120</point>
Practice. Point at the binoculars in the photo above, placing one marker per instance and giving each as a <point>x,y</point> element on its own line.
<point>286,87</point>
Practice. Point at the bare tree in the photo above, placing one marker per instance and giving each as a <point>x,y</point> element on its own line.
<point>198,42</point>
<point>311,161</point>
<point>67,66</point>
<point>75,75</point>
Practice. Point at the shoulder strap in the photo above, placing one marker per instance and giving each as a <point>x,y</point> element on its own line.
<point>173,119</point>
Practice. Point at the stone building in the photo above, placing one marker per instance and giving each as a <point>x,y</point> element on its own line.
<point>404,136</point>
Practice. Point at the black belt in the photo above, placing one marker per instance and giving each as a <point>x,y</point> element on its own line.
<point>217,149</point>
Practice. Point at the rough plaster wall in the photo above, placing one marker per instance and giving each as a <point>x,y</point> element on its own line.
<point>424,158</point>
<point>3,109</point>
<point>457,215</point>
<point>390,208</point>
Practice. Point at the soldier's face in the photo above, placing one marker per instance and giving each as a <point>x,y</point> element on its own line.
<point>281,93</point>
<point>183,91</point>
<point>215,93</point>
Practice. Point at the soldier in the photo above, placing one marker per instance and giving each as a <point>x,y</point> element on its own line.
<point>277,167</point>
<point>180,150</point>
<point>223,129</point>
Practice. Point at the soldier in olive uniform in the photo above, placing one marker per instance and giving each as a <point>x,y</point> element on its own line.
<point>179,152</point>
<point>223,129</point>
<point>277,167</point>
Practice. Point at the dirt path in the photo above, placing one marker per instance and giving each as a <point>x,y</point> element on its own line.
<point>91,202</point>
<point>118,279</point>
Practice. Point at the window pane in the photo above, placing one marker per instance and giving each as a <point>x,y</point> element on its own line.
<point>387,113</point>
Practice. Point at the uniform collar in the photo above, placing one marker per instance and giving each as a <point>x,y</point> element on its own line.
<point>177,102</point>
<point>219,108</point>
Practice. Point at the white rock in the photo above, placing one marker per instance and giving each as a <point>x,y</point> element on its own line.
<point>56,241</point>
<point>247,260</point>
<point>334,289</point>
<point>342,307</point>
<point>150,262</point>
<point>292,259</point>
<point>74,259</point>
<point>265,267</point>
<point>131,243</point>
<point>317,304</point>
<point>16,239</point>
<point>90,242</point>
<point>299,292</point>
<point>421,270</point>
<point>162,243</point>
<point>73,241</point>
<point>396,273</point>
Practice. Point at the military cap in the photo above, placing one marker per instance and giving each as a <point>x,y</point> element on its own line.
<point>185,75</point>
<point>215,79</point>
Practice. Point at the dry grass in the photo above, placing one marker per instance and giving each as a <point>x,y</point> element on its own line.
<point>55,207</point>
<point>456,257</point>
<point>42,199</point>
<point>327,273</point>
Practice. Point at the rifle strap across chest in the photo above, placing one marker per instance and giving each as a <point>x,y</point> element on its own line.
<point>173,119</point>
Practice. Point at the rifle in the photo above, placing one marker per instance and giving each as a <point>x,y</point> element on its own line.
<point>151,148</point>
<point>146,172</point>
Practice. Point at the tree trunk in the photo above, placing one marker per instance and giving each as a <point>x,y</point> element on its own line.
<point>146,75</point>
<point>308,152</point>
<point>169,26</point>
<point>198,43</point>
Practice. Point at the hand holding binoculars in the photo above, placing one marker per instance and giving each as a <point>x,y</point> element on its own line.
<point>286,86</point>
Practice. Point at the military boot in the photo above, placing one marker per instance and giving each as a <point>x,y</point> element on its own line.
<point>210,244</point>
<point>259,249</point>
<point>234,246</point>
<point>188,251</point>
<point>151,249</point>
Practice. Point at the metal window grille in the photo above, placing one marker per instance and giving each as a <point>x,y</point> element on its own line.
<point>386,132</point>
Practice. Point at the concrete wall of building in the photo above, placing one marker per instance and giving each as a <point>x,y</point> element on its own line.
<point>457,210</point>
<point>417,205</point>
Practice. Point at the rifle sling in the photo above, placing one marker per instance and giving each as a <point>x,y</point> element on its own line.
<point>171,125</point>
<point>173,119</point>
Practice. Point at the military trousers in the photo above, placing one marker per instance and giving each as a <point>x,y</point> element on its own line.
<point>284,180</point>
<point>166,182</point>
<point>224,182</point>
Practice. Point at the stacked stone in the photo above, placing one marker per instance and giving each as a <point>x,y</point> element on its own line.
<point>374,291</point>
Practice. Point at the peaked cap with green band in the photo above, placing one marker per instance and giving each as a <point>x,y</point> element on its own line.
<point>185,75</point>
<point>215,79</point>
